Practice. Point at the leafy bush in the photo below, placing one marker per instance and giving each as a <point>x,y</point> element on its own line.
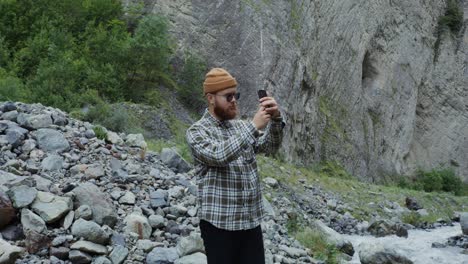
<point>11,88</point>
<point>100,132</point>
<point>441,179</point>
<point>453,17</point>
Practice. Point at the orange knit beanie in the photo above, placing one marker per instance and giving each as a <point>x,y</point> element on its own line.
<point>218,79</point>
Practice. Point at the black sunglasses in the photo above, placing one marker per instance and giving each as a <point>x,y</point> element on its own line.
<point>230,96</point>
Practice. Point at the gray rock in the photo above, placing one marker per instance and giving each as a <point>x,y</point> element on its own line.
<point>136,140</point>
<point>128,198</point>
<point>101,205</point>
<point>28,145</point>
<point>197,258</point>
<point>271,182</point>
<point>78,257</point>
<point>55,260</point>
<point>119,254</point>
<point>90,231</point>
<point>31,221</point>
<point>464,222</point>
<point>162,256</point>
<point>12,115</point>
<point>335,238</point>
<point>158,199</point>
<point>9,253</point>
<point>7,107</point>
<point>51,140</point>
<point>60,252</point>
<point>85,212</point>
<point>138,224</point>
<point>68,220</point>
<point>190,244</point>
<point>377,253</point>
<point>59,119</point>
<point>34,121</point>
<point>156,221</point>
<point>94,171</point>
<point>114,138</point>
<point>269,211</point>
<point>52,163</point>
<point>90,134</point>
<point>174,161</point>
<point>89,247</point>
<point>15,135</point>
<point>51,207</point>
<point>7,212</point>
<point>102,260</point>
<point>59,240</point>
<point>412,204</point>
<point>12,233</point>
<point>22,195</point>
<point>42,184</point>
<point>147,245</point>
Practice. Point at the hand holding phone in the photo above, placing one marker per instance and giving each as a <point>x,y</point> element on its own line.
<point>261,94</point>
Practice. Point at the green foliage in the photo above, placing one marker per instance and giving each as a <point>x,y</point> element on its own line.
<point>318,244</point>
<point>334,169</point>
<point>442,179</point>
<point>100,132</point>
<point>11,88</point>
<point>453,17</point>
<point>190,81</point>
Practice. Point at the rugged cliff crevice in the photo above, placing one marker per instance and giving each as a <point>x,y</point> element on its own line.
<point>357,79</point>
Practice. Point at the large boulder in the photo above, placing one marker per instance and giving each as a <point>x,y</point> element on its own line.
<point>103,209</point>
<point>464,222</point>
<point>34,121</point>
<point>174,161</point>
<point>7,212</point>
<point>51,140</point>
<point>191,244</point>
<point>197,258</point>
<point>32,222</point>
<point>51,207</point>
<point>335,238</point>
<point>376,253</point>
<point>136,140</point>
<point>9,253</point>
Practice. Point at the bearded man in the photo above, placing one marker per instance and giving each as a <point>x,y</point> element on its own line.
<point>229,191</point>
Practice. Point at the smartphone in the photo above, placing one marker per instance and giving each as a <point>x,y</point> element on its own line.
<point>261,94</point>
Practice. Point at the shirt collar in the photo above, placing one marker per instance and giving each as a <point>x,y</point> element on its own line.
<point>225,123</point>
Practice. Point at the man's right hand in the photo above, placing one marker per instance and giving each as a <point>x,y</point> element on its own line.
<point>261,118</point>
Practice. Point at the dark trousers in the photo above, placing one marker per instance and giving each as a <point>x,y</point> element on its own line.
<point>232,247</point>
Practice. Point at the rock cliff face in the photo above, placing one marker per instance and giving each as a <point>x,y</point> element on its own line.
<point>369,84</point>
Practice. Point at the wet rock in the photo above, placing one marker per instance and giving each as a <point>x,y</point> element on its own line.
<point>376,253</point>
<point>464,222</point>
<point>335,238</point>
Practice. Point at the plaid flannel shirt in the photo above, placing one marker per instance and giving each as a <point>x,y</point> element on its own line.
<point>229,192</point>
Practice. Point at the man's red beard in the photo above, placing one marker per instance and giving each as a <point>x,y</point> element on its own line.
<point>226,114</point>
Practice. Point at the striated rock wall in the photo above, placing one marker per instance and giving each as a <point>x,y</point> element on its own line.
<point>360,82</point>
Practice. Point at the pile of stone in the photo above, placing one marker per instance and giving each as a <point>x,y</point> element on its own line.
<point>68,197</point>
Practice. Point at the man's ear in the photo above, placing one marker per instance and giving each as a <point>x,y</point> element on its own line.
<point>210,98</point>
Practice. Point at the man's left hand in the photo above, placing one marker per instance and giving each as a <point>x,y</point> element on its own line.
<point>271,106</point>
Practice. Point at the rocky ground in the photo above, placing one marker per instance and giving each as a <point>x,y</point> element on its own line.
<point>68,197</point>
